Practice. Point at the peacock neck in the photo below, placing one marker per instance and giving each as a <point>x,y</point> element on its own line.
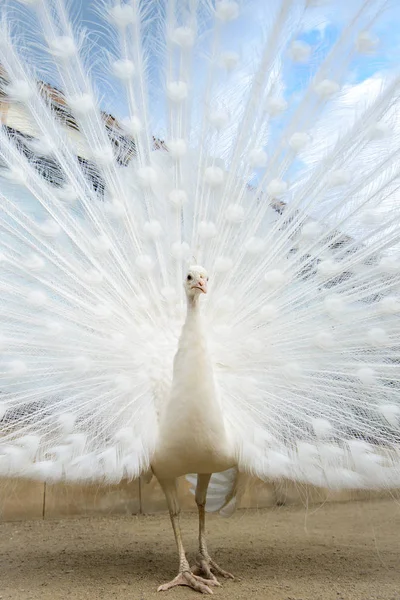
<point>193,316</point>
<point>192,343</point>
<point>193,372</point>
<point>193,304</point>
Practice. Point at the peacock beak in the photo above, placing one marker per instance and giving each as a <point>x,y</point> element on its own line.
<point>201,285</point>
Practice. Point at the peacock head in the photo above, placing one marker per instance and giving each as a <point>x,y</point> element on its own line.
<point>196,281</point>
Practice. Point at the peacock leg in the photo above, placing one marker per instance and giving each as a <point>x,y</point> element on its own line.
<point>185,576</point>
<point>205,565</point>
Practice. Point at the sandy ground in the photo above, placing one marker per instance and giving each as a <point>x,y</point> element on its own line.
<point>330,552</point>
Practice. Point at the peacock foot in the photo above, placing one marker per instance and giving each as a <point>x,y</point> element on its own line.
<point>206,567</point>
<point>199,584</point>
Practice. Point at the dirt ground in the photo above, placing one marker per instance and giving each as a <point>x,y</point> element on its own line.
<point>329,552</point>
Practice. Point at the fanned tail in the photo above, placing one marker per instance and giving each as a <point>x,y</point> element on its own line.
<point>240,139</point>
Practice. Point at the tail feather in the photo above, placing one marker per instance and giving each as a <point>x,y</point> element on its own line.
<point>222,491</point>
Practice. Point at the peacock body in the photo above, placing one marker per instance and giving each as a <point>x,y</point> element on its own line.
<point>231,135</point>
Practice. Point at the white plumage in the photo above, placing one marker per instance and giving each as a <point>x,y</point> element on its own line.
<point>238,141</point>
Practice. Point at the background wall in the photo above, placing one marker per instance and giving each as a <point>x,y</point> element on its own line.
<point>23,500</point>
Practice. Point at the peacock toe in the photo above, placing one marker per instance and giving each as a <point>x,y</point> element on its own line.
<point>190,579</point>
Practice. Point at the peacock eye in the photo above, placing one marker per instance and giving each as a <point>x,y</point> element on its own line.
<point>189,277</point>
